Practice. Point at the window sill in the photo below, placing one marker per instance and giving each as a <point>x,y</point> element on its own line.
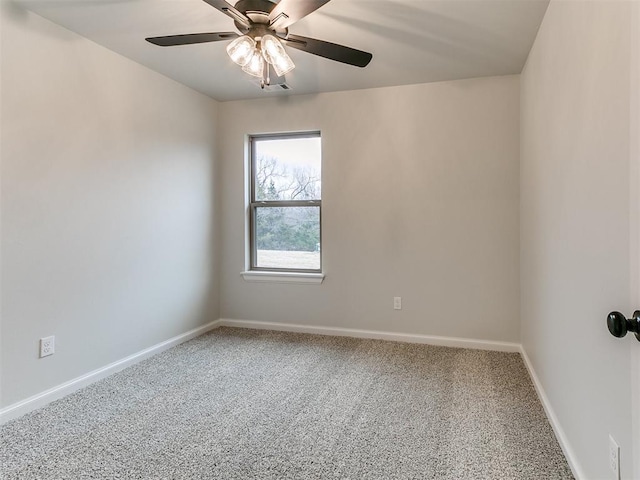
<point>283,277</point>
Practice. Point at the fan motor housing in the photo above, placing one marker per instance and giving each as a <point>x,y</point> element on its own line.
<point>256,10</point>
<point>246,6</point>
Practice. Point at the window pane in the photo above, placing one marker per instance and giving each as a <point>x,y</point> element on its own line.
<point>287,169</point>
<point>288,237</point>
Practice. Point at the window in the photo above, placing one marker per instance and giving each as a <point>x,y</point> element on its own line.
<point>285,202</point>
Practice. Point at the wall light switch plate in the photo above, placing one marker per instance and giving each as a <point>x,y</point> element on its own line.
<point>614,458</point>
<point>47,346</point>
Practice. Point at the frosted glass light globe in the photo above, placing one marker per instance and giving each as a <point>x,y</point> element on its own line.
<point>241,50</point>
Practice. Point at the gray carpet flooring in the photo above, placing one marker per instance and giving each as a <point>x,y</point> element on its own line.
<point>247,404</point>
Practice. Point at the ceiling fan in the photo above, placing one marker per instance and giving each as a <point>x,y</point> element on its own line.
<point>264,25</point>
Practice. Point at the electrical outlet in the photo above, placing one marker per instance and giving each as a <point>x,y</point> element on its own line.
<point>614,458</point>
<point>47,346</point>
<point>397,303</point>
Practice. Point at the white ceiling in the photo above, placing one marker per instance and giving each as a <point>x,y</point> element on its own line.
<point>412,41</point>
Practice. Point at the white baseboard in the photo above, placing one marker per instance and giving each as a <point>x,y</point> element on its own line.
<point>378,335</point>
<point>43,398</point>
<point>553,420</point>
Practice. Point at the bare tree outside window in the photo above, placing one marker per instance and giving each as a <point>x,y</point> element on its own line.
<point>286,202</point>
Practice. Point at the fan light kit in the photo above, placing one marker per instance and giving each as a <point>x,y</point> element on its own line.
<point>264,26</point>
<point>252,54</point>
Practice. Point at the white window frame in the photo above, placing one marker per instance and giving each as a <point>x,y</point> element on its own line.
<point>268,274</point>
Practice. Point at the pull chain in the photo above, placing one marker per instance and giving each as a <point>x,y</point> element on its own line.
<point>265,80</point>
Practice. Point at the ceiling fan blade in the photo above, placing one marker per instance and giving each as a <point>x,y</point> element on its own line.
<point>287,12</point>
<point>231,11</point>
<point>190,38</point>
<point>329,50</point>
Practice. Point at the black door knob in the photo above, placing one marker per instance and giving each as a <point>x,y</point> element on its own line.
<point>619,325</point>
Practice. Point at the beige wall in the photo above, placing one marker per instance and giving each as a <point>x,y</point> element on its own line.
<point>575,223</point>
<point>108,218</point>
<point>420,200</point>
